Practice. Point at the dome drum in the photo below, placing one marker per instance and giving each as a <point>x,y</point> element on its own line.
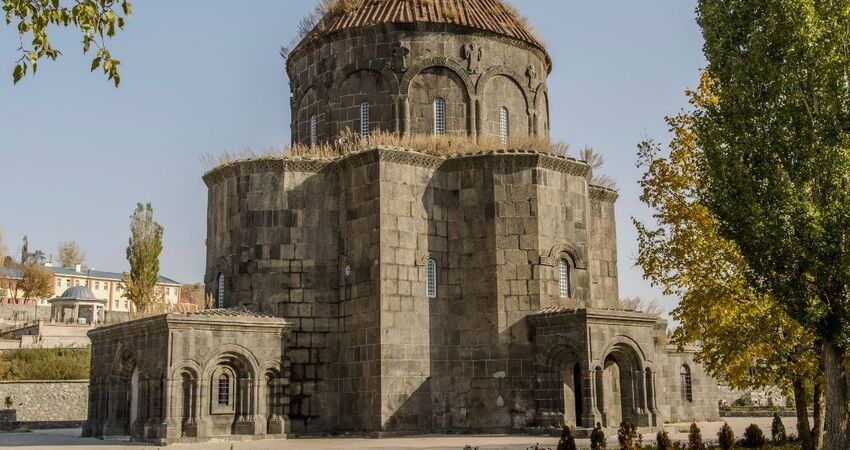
<point>417,78</point>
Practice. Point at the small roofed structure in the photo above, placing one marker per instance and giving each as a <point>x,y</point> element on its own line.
<point>184,378</point>
<point>78,305</point>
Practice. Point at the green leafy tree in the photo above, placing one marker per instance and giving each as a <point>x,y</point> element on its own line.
<point>70,254</point>
<point>143,255</point>
<point>745,337</point>
<point>754,437</point>
<point>36,282</point>
<point>777,146</point>
<point>96,20</point>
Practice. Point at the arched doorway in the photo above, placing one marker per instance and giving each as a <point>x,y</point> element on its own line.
<point>560,389</point>
<point>621,387</point>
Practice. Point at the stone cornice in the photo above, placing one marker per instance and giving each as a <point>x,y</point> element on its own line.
<point>263,164</point>
<point>164,322</point>
<point>602,194</point>
<point>559,316</point>
<point>400,155</point>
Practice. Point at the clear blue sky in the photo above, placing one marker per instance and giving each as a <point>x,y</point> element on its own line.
<point>204,76</point>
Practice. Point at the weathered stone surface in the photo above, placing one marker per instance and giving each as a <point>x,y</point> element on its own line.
<point>179,377</point>
<point>47,401</point>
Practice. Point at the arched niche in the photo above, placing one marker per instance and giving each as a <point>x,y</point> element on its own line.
<point>425,88</point>
<point>359,86</point>
<point>503,91</point>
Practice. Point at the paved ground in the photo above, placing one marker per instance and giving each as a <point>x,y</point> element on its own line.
<point>68,439</point>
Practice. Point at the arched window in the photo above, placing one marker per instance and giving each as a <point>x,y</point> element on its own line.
<point>314,136</point>
<point>364,120</point>
<point>564,278</point>
<point>439,116</point>
<point>431,282</point>
<point>220,296</point>
<point>687,386</point>
<point>224,390</point>
<point>504,125</point>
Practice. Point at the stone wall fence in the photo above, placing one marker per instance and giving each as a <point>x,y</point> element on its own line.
<point>47,404</point>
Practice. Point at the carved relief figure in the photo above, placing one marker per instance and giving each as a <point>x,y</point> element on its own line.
<point>472,54</point>
<point>531,73</point>
<point>400,54</point>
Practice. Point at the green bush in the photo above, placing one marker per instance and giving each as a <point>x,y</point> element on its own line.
<point>567,441</point>
<point>777,430</point>
<point>754,437</point>
<point>628,437</point>
<point>598,440</point>
<point>38,364</point>
<point>726,437</point>
<point>663,441</point>
<point>695,438</point>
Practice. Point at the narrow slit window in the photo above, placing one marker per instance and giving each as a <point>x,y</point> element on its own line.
<point>223,390</point>
<point>687,384</point>
<point>314,137</point>
<point>439,117</point>
<point>220,296</point>
<point>364,120</point>
<point>431,278</point>
<point>504,126</point>
<point>564,278</point>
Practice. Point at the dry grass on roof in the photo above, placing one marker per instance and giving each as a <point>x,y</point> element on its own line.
<point>350,143</point>
<point>447,146</point>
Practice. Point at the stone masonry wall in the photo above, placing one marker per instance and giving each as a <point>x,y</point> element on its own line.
<point>47,401</point>
<point>273,231</point>
<point>401,70</point>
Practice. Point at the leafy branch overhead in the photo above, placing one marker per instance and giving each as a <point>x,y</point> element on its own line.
<point>97,20</point>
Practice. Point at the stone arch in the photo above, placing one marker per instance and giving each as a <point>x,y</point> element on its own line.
<point>508,73</point>
<point>561,384</point>
<point>231,375</point>
<point>622,384</point>
<point>374,66</point>
<point>273,399</point>
<point>576,254</point>
<point>363,83</point>
<point>427,63</point>
<point>424,86</point>
<point>317,96</point>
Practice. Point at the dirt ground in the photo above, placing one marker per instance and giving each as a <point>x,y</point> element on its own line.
<point>69,439</point>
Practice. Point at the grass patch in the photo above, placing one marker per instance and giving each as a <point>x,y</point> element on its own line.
<point>45,364</point>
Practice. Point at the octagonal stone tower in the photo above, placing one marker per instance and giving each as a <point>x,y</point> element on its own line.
<point>467,67</point>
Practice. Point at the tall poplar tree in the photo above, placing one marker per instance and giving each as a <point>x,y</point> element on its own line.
<point>143,255</point>
<point>777,147</point>
<point>745,338</point>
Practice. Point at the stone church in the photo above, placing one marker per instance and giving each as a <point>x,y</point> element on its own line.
<point>393,292</point>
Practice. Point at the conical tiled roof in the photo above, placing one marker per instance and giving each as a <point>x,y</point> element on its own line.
<point>488,15</point>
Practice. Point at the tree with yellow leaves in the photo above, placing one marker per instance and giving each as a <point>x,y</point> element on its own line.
<point>746,338</point>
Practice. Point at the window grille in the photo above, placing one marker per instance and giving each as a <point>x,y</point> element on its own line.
<point>439,117</point>
<point>314,136</point>
<point>432,279</point>
<point>504,126</point>
<point>364,120</point>
<point>564,278</point>
<point>224,390</point>
<point>220,299</point>
<point>687,385</point>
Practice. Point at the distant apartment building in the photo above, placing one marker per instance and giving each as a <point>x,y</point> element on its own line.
<point>106,286</point>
